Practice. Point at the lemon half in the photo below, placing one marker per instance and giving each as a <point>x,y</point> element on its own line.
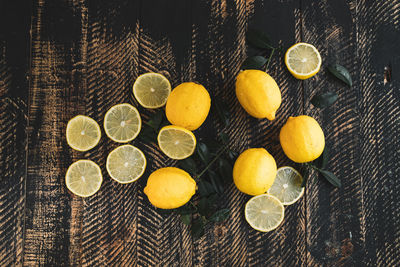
<point>287,185</point>
<point>303,60</point>
<point>83,133</point>
<point>83,178</point>
<point>176,142</point>
<point>151,90</point>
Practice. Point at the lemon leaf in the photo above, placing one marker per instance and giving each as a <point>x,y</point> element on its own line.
<point>203,206</point>
<point>186,219</point>
<point>330,177</point>
<point>322,161</point>
<point>225,169</point>
<point>156,120</point>
<point>205,188</point>
<point>188,165</point>
<point>220,215</point>
<point>255,63</point>
<point>324,100</point>
<point>259,39</point>
<point>197,228</point>
<point>341,73</point>
<point>203,152</point>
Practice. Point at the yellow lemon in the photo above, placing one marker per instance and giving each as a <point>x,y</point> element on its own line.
<point>258,93</point>
<point>188,105</point>
<point>254,171</point>
<point>169,188</point>
<point>302,139</point>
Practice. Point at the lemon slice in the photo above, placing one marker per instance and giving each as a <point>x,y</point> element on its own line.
<point>83,133</point>
<point>264,212</point>
<point>122,123</point>
<point>83,178</point>
<point>126,164</point>
<point>151,90</point>
<point>176,142</point>
<point>303,60</point>
<point>287,185</point>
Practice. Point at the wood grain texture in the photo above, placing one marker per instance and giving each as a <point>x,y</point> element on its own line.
<point>83,58</point>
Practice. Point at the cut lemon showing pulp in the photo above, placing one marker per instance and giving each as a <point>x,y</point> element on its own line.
<point>126,164</point>
<point>176,142</point>
<point>83,133</point>
<point>83,178</point>
<point>264,212</point>
<point>303,60</point>
<point>151,90</point>
<point>122,123</point>
<point>287,186</point>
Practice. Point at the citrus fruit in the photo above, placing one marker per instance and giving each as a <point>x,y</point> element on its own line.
<point>83,133</point>
<point>151,90</point>
<point>258,93</point>
<point>302,139</point>
<point>303,60</point>
<point>126,164</point>
<point>287,185</point>
<point>169,188</point>
<point>83,178</point>
<point>122,123</point>
<point>254,171</point>
<point>264,212</point>
<point>176,142</point>
<point>188,105</point>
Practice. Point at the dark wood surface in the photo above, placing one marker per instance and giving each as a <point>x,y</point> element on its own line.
<point>67,57</point>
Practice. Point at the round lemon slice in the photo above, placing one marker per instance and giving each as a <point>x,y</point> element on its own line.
<point>151,90</point>
<point>176,142</point>
<point>287,185</point>
<point>83,178</point>
<point>303,60</point>
<point>122,123</point>
<point>126,164</point>
<point>264,212</point>
<point>83,133</point>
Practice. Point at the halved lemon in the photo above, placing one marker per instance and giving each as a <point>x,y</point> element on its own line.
<point>151,90</point>
<point>126,164</point>
<point>303,60</point>
<point>264,212</point>
<point>176,142</point>
<point>287,185</point>
<point>83,133</point>
<point>83,178</point>
<point>122,123</point>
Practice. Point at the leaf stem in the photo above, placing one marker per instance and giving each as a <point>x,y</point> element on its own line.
<point>269,59</point>
<point>212,161</point>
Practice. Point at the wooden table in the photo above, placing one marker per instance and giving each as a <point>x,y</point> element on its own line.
<point>67,57</point>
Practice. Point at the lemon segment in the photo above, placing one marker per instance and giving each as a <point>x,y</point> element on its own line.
<point>303,60</point>
<point>83,133</point>
<point>83,178</point>
<point>287,185</point>
<point>126,164</point>
<point>122,123</point>
<point>176,142</point>
<point>264,212</point>
<point>151,90</point>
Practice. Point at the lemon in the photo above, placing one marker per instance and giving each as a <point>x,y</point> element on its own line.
<point>151,90</point>
<point>83,133</point>
<point>264,213</point>
<point>83,178</point>
<point>122,123</point>
<point>126,164</point>
<point>169,188</point>
<point>254,171</point>
<point>258,94</point>
<point>176,142</point>
<point>303,60</point>
<point>302,139</point>
<point>188,105</point>
<point>287,185</point>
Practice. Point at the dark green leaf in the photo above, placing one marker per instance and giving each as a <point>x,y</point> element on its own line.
<point>259,39</point>
<point>203,206</point>
<point>232,155</point>
<point>224,138</point>
<point>185,210</point>
<point>205,188</point>
<point>147,134</point>
<point>216,181</point>
<point>188,165</point>
<point>212,199</point>
<point>322,161</point>
<point>203,152</point>
<point>324,100</point>
<point>155,120</point>
<point>254,63</point>
<point>220,215</point>
<point>225,169</point>
<point>341,73</point>
<point>221,110</point>
<point>197,228</point>
<point>186,219</point>
<point>330,177</point>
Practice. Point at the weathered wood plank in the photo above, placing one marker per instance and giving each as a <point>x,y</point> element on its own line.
<point>14,66</point>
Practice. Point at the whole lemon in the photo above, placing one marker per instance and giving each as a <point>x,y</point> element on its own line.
<point>169,188</point>
<point>254,171</point>
<point>188,105</point>
<point>302,139</point>
<point>258,93</point>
